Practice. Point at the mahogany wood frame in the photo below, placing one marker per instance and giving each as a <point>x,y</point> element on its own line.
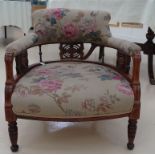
<point>22,67</point>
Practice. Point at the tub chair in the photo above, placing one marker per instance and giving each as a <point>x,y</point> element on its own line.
<point>73,88</point>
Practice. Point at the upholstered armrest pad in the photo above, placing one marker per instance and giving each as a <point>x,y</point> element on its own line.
<point>21,44</point>
<point>123,45</point>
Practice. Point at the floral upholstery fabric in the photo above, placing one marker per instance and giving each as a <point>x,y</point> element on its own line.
<point>123,46</point>
<point>67,25</point>
<point>72,89</point>
<point>64,25</point>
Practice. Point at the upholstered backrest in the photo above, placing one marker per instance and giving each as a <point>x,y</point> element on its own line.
<point>66,25</point>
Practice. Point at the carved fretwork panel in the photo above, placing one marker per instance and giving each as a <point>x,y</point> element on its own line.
<point>71,51</point>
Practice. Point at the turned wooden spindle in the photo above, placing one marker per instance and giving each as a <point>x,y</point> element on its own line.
<point>132,127</point>
<point>13,133</point>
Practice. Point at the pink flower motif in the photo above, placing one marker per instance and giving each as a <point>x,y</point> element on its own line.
<point>70,30</point>
<point>50,85</point>
<point>125,89</point>
<point>57,13</point>
<point>44,71</point>
<point>117,77</point>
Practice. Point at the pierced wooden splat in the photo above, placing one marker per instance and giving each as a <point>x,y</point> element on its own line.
<point>71,51</point>
<point>75,51</point>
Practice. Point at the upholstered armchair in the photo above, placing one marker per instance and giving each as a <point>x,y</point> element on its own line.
<point>72,88</point>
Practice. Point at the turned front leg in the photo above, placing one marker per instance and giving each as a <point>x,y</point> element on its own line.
<point>13,133</point>
<point>132,127</point>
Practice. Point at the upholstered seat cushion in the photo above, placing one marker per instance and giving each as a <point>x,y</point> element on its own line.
<point>71,89</point>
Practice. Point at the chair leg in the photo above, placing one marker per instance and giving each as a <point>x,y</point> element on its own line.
<point>13,133</point>
<point>132,127</point>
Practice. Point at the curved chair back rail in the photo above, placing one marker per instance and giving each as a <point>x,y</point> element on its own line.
<point>81,90</point>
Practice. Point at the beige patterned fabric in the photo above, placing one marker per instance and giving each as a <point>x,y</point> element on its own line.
<point>62,25</point>
<point>72,89</point>
<point>123,45</point>
<point>21,44</point>
<point>68,25</point>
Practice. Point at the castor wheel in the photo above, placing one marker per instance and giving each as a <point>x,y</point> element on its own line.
<point>130,146</point>
<point>14,148</point>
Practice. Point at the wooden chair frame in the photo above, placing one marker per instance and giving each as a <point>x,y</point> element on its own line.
<point>22,68</point>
